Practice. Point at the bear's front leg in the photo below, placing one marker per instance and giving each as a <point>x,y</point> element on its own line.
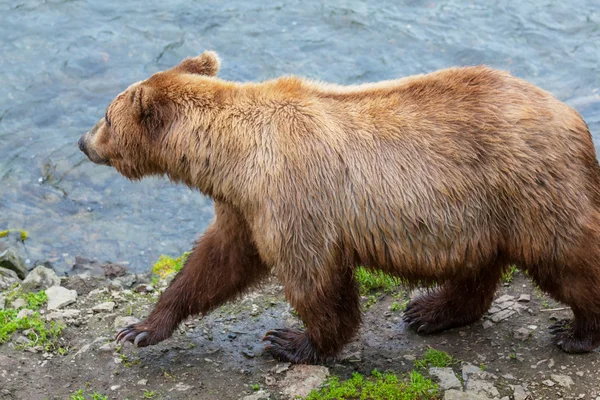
<point>329,307</point>
<point>222,265</point>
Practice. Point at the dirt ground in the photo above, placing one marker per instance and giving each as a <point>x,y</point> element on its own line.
<point>221,356</point>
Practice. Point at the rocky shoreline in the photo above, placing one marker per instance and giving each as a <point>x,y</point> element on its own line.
<point>66,349</point>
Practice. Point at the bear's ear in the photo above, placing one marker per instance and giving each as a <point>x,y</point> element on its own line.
<point>152,110</point>
<point>207,63</point>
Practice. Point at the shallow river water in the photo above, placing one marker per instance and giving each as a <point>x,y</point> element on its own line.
<point>61,62</point>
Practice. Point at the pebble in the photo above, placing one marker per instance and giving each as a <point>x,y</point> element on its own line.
<point>548,383</point>
<point>24,313</point>
<point>107,306</point>
<point>122,322</point>
<point>302,379</point>
<point>142,382</point>
<point>18,303</point>
<point>524,298</point>
<point>260,395</point>
<point>182,387</point>
<point>115,387</point>
<point>40,278</point>
<point>563,380</point>
<point>446,378</point>
<point>521,334</point>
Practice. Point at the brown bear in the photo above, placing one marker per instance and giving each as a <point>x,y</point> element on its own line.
<point>445,178</point>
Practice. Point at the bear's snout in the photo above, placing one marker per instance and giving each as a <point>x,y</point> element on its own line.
<point>82,145</point>
<point>89,151</point>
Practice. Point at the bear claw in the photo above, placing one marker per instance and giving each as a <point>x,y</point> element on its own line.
<point>136,334</point>
<point>292,346</point>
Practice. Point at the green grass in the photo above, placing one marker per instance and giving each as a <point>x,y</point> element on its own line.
<point>81,395</point>
<point>378,387</point>
<point>508,275</point>
<point>166,265</point>
<point>150,394</point>
<point>435,358</point>
<point>375,280</point>
<point>42,333</point>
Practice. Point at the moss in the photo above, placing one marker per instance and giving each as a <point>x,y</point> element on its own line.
<point>24,234</point>
<point>378,387</point>
<point>166,265</point>
<point>81,395</point>
<point>375,280</point>
<point>435,358</point>
<point>41,332</point>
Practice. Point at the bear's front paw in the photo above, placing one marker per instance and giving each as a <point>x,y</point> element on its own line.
<point>570,340</point>
<point>293,346</point>
<point>141,335</point>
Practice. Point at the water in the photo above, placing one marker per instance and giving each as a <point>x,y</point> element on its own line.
<point>62,62</point>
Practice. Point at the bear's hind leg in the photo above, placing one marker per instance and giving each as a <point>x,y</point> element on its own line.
<point>223,264</point>
<point>331,312</point>
<point>456,303</point>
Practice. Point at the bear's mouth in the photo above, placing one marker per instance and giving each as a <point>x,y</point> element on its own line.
<point>91,153</point>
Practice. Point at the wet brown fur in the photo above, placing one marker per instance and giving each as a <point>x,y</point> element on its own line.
<point>448,177</point>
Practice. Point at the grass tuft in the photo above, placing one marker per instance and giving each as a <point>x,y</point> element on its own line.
<point>435,358</point>
<point>166,265</point>
<point>375,280</point>
<point>377,387</point>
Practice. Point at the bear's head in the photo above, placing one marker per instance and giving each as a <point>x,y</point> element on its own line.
<point>134,135</point>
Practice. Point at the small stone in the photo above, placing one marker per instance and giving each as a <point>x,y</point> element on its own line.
<point>24,313</point>
<point>502,315</point>
<point>143,288</point>
<point>487,324</point>
<point>115,387</point>
<point>454,394</point>
<point>446,378</point>
<point>108,347</point>
<point>59,297</point>
<point>142,382</point>
<point>2,302</point>
<point>83,349</point>
<point>524,298</point>
<point>107,306</point>
<point>548,383</point>
<point>18,303</point>
<point>182,387</point>
<point>248,353</point>
<point>302,379</point>
<point>122,322</point>
<point>504,299</point>
<point>40,278</point>
<point>519,393</point>
<point>71,314</point>
<point>280,368</point>
<point>563,380</point>
<point>10,259</point>
<point>521,334</point>
<point>260,395</point>
<point>22,340</point>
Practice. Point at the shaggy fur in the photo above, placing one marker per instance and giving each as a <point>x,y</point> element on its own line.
<point>448,177</point>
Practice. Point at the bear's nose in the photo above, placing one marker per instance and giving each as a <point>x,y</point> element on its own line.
<point>81,144</point>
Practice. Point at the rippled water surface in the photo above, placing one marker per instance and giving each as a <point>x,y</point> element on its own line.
<point>61,62</point>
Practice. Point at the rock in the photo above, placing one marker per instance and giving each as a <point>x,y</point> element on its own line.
<point>260,395</point>
<point>83,349</point>
<point>143,288</point>
<point>129,280</point>
<point>563,380</point>
<point>502,315</point>
<point>18,303</point>
<point>182,387</point>
<point>2,302</point>
<point>142,382</point>
<point>83,266</point>
<point>108,306</point>
<point>475,381</point>
<point>524,298</point>
<point>248,353</point>
<point>71,314</point>
<point>59,297</point>
<point>112,271</point>
<point>521,334</point>
<point>280,368</point>
<point>519,393</point>
<point>7,278</point>
<point>22,340</point>
<point>82,284</point>
<point>487,324</point>
<point>24,313</point>
<point>548,383</point>
<point>122,322</point>
<point>458,395</point>
<point>504,299</point>
<point>40,278</point>
<point>446,378</point>
<point>10,259</point>
<point>108,347</point>
<point>300,380</point>
<point>115,387</point>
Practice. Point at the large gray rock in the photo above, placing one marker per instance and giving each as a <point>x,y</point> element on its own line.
<point>10,259</point>
<point>40,278</point>
<point>446,378</point>
<point>453,394</point>
<point>7,278</point>
<point>59,297</point>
